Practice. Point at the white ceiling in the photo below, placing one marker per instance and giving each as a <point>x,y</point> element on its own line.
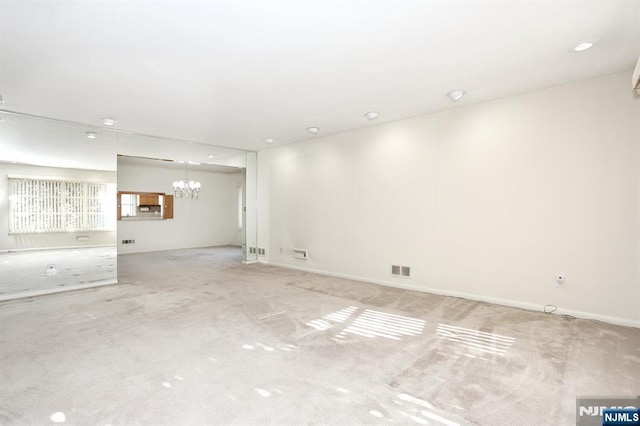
<point>234,72</point>
<point>49,143</point>
<point>26,140</point>
<point>154,162</point>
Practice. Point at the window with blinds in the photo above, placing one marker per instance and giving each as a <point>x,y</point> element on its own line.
<point>53,205</point>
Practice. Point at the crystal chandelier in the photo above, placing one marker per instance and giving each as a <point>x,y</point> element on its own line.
<point>186,188</point>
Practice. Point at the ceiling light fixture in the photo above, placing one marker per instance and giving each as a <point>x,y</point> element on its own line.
<point>186,188</point>
<point>109,121</point>
<point>585,45</point>
<point>91,135</point>
<point>455,95</point>
<point>313,130</point>
<point>371,115</point>
<point>210,156</point>
<point>268,140</point>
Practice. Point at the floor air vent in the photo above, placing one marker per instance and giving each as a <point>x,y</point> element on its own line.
<point>401,271</point>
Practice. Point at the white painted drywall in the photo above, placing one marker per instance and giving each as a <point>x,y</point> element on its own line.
<point>209,221</point>
<point>48,239</point>
<point>488,201</point>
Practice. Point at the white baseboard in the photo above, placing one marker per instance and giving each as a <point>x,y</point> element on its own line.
<point>16,250</point>
<point>153,250</point>
<point>5,297</point>
<point>471,296</point>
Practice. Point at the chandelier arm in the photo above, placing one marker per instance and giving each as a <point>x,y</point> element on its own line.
<point>186,188</point>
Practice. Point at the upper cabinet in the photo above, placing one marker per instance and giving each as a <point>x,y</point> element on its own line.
<point>149,199</point>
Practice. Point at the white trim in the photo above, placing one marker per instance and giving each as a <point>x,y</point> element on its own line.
<point>14,250</point>
<point>498,301</point>
<point>170,248</point>
<point>5,297</point>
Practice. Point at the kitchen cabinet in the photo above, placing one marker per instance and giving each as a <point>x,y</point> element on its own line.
<point>149,200</point>
<point>167,212</point>
<point>144,206</point>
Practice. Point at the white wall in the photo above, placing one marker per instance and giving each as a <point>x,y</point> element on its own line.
<point>489,201</point>
<point>52,239</point>
<point>209,221</point>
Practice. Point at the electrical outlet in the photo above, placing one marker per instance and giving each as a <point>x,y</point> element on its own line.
<point>560,280</point>
<point>51,270</point>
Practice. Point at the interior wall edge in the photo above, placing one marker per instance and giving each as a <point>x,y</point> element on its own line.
<point>471,296</point>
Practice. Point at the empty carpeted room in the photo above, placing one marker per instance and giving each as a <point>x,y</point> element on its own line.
<point>320,212</point>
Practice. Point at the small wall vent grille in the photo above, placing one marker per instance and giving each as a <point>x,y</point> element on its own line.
<point>300,254</point>
<point>401,271</point>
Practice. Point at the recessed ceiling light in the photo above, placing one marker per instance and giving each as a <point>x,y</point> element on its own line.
<point>455,95</point>
<point>91,135</point>
<point>268,140</point>
<point>109,121</point>
<point>313,130</point>
<point>585,45</point>
<point>210,155</point>
<point>371,115</point>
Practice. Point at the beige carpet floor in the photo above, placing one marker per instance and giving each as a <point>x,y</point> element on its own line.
<point>25,272</point>
<point>193,337</point>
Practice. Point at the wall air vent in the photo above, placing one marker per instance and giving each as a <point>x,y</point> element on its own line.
<point>401,271</point>
<point>300,254</point>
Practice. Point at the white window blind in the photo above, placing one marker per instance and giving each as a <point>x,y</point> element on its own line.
<point>53,205</point>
